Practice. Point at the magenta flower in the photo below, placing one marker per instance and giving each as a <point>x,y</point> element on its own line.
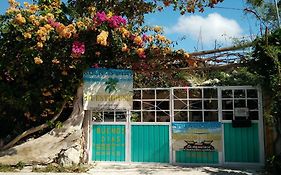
<point>144,37</point>
<point>78,48</point>
<point>101,17</point>
<point>116,21</point>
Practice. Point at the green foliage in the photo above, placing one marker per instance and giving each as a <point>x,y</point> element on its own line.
<point>12,168</point>
<point>273,164</point>
<point>7,168</point>
<point>267,64</point>
<point>238,77</point>
<point>62,169</point>
<point>266,12</point>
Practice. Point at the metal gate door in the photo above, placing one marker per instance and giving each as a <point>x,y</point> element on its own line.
<point>150,143</point>
<point>109,130</point>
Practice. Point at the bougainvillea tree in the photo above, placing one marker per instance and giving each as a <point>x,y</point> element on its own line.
<point>46,46</point>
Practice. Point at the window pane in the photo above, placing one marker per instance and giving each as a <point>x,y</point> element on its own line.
<point>239,103</point>
<point>148,94</point>
<point>109,116</point>
<point>162,94</point>
<point>180,93</point>
<point>210,104</point>
<point>137,94</point>
<point>252,93</point>
<point>254,115</point>
<point>195,116</point>
<point>148,116</point>
<point>210,93</point>
<point>180,116</point>
<point>148,105</point>
<point>239,93</point>
<point>252,104</point>
<point>227,94</point>
<point>180,104</point>
<point>227,104</point>
<point>120,116</point>
<point>211,116</point>
<point>195,104</point>
<point>97,116</point>
<point>163,116</point>
<point>136,117</point>
<point>227,115</point>
<point>195,93</point>
<point>162,105</point>
<point>136,105</point>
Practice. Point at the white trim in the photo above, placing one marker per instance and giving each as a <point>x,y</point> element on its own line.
<point>150,123</point>
<point>260,127</point>
<point>91,137</point>
<point>108,123</point>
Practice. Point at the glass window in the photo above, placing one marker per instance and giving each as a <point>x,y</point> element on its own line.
<point>227,94</point>
<point>180,104</point>
<point>180,116</point>
<point>227,115</point>
<point>211,116</point>
<point>163,105</point>
<point>195,104</point>
<point>180,93</point>
<point>120,116</point>
<point>252,93</point>
<point>163,116</point>
<point>137,94</point>
<point>195,116</point>
<point>148,105</point>
<point>210,104</point>
<point>162,94</point>
<point>108,116</point>
<point>210,93</point>
<point>239,103</point>
<point>240,93</point>
<point>195,93</point>
<point>253,115</point>
<point>136,105</point>
<point>252,104</point>
<point>136,117</point>
<point>148,94</point>
<point>148,116</point>
<point>97,117</point>
<point>227,104</point>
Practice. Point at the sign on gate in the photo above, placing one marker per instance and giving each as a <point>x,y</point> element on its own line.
<point>197,136</point>
<point>108,89</point>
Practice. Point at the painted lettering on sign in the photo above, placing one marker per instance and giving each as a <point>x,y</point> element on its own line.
<point>108,142</point>
<point>108,89</point>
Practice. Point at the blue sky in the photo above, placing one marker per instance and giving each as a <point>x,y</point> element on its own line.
<point>215,27</point>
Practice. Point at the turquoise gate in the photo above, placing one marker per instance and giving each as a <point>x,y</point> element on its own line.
<point>150,143</point>
<point>212,120</point>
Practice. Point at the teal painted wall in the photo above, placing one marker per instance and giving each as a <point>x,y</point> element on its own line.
<point>108,143</point>
<point>184,156</point>
<point>150,143</point>
<point>241,144</point>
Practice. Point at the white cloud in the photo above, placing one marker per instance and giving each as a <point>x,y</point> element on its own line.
<point>213,27</point>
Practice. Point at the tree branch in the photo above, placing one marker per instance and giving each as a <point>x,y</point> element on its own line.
<point>206,52</point>
<point>32,130</point>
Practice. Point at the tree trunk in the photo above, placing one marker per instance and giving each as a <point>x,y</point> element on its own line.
<point>49,147</point>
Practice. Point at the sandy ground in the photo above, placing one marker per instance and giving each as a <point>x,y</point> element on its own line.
<point>152,169</point>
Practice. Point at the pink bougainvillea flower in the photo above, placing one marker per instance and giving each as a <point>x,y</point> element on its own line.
<point>78,48</point>
<point>116,21</point>
<point>100,17</point>
<point>95,65</point>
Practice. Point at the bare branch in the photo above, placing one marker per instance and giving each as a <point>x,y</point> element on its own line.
<point>231,48</point>
<point>32,130</point>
